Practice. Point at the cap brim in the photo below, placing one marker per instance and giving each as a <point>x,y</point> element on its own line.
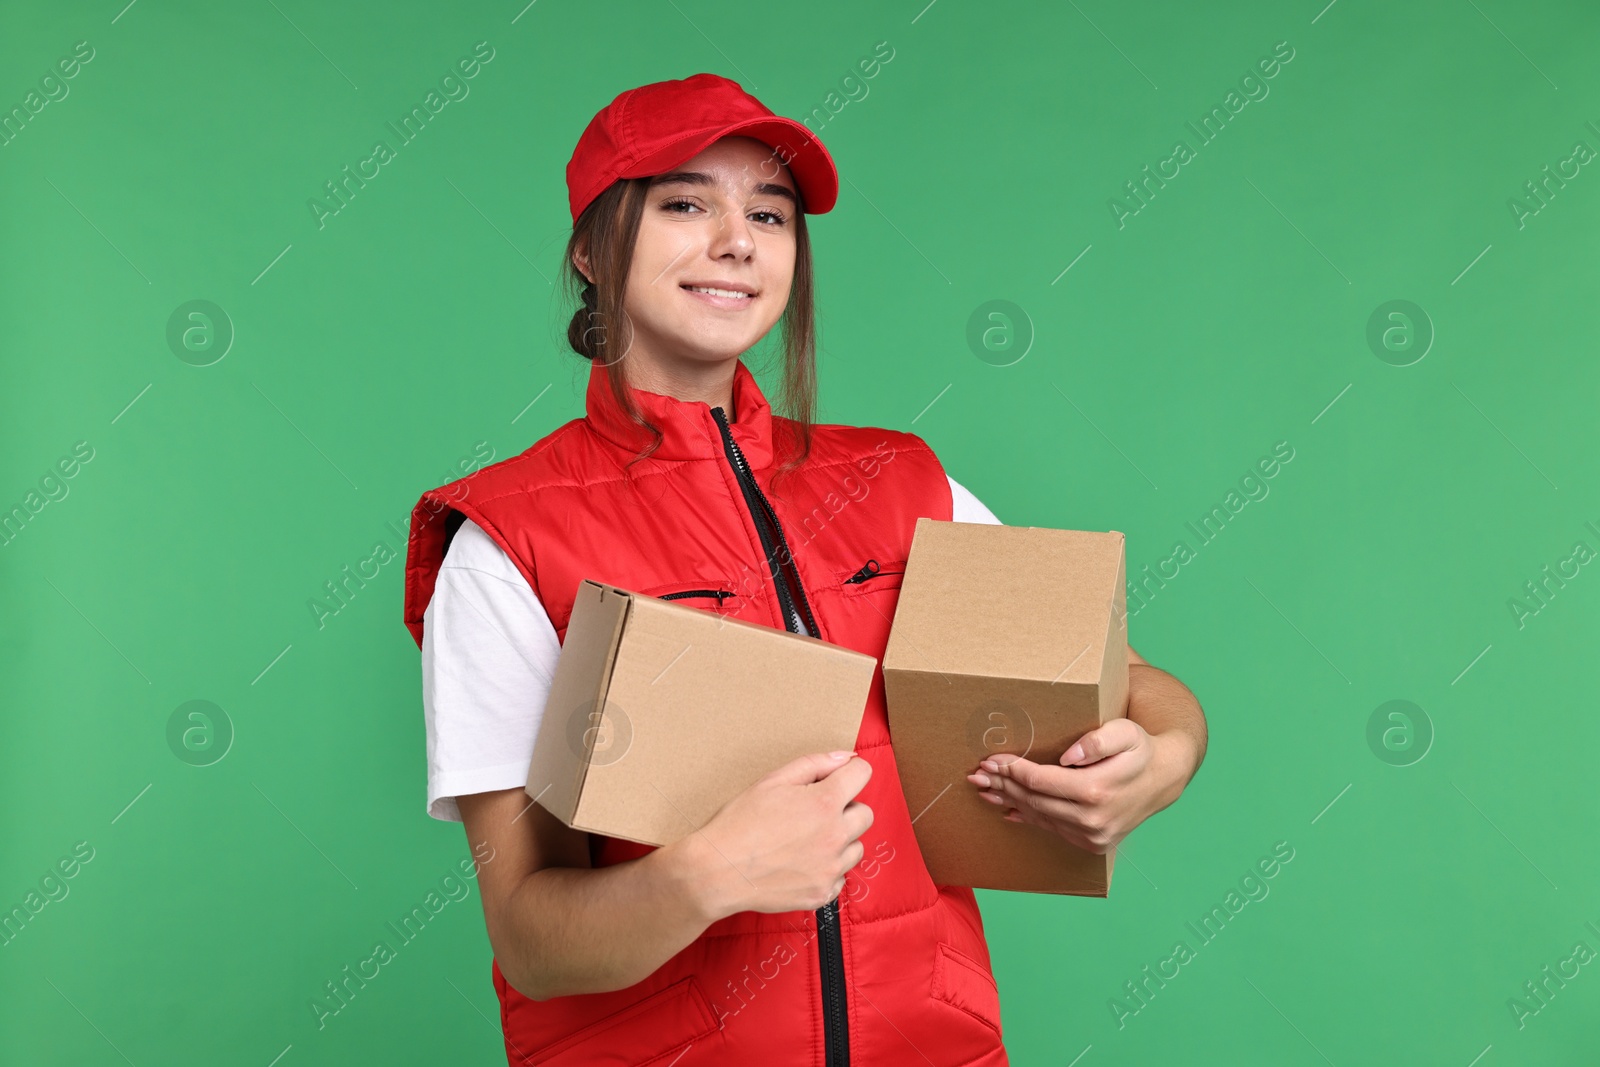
<point>793,145</point>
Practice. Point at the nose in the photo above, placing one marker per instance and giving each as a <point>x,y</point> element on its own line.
<point>732,235</point>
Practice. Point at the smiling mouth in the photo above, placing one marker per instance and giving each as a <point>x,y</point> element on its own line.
<point>709,290</point>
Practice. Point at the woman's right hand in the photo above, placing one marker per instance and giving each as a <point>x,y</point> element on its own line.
<point>785,843</point>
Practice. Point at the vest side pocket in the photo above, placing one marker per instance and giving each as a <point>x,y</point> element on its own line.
<point>963,983</point>
<point>641,1034</point>
<point>874,577</point>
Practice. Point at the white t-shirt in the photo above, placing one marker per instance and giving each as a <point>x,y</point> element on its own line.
<point>488,654</point>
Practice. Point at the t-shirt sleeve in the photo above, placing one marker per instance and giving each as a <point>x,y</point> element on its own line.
<point>488,654</point>
<point>967,508</point>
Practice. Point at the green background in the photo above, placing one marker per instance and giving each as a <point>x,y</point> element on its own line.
<point>1230,313</point>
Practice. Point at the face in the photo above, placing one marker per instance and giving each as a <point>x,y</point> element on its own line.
<point>722,221</point>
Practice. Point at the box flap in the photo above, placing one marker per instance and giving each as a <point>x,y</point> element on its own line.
<point>574,720</point>
<point>1006,601</point>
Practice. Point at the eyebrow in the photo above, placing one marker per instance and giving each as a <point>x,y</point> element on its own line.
<point>694,177</point>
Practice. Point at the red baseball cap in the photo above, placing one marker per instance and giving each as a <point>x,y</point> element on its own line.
<point>651,129</point>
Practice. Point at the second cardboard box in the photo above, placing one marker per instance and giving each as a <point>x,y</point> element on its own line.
<point>1005,639</point>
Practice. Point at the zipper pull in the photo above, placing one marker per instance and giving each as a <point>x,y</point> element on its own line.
<point>868,569</point>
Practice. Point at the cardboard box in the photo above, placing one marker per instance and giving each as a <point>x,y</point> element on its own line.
<point>660,713</point>
<point>1005,639</point>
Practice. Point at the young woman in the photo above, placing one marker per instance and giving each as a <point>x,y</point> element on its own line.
<point>799,925</point>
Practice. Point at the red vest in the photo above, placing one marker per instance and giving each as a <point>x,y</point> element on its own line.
<point>903,975</point>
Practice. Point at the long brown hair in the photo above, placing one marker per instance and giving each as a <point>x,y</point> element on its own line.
<point>599,329</point>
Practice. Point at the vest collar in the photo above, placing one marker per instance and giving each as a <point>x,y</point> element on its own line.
<point>688,429</point>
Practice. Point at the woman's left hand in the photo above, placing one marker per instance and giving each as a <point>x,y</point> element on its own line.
<point>1108,782</point>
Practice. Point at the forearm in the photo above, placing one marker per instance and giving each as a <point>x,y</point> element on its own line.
<point>1166,710</point>
<point>591,930</point>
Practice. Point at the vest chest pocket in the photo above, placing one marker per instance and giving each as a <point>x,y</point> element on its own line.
<point>714,595</point>
<point>873,576</point>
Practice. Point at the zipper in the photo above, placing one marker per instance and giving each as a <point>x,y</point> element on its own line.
<point>869,569</point>
<point>792,600</point>
<point>797,618</point>
<point>830,954</point>
<point>720,594</point>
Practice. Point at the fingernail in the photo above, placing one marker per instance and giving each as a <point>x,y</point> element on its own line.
<point>992,798</point>
<point>980,780</point>
<point>840,754</point>
<point>1074,754</point>
<point>989,765</point>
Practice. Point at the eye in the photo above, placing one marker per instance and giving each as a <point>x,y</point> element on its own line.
<point>766,216</point>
